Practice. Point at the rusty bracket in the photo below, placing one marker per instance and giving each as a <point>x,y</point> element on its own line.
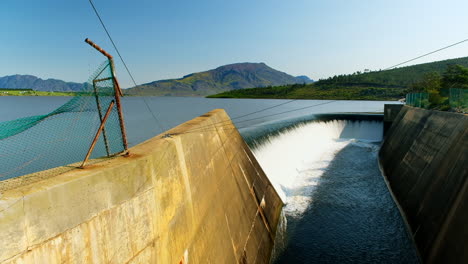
<point>96,137</point>
<point>117,94</point>
<point>87,40</point>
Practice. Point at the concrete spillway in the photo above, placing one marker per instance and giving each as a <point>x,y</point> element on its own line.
<point>196,196</point>
<point>424,157</point>
<point>338,207</point>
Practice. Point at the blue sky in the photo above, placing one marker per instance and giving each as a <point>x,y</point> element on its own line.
<point>168,39</point>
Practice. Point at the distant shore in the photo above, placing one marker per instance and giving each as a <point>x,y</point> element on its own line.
<point>316,92</point>
<point>30,92</point>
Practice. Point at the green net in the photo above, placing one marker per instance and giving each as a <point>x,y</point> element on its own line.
<point>63,136</point>
<point>418,100</point>
<point>458,99</point>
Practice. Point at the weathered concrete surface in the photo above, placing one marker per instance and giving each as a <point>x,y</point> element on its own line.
<point>425,159</point>
<point>198,196</point>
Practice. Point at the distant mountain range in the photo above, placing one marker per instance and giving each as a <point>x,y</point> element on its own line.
<point>304,79</point>
<point>225,78</point>
<point>234,77</point>
<point>32,82</point>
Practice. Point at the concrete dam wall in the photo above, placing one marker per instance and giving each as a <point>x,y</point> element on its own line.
<point>424,158</point>
<point>195,196</point>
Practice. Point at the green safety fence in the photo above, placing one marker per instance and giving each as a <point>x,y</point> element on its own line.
<point>63,136</point>
<point>458,99</point>
<point>418,100</point>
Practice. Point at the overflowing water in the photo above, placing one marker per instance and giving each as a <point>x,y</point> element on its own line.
<point>338,208</point>
<point>306,151</point>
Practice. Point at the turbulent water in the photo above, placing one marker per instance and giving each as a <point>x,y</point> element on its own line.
<point>338,208</point>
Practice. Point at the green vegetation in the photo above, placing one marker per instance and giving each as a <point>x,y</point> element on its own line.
<point>403,77</point>
<point>376,85</point>
<point>313,91</point>
<point>445,91</point>
<point>31,92</point>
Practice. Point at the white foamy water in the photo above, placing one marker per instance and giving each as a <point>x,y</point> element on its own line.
<point>295,159</point>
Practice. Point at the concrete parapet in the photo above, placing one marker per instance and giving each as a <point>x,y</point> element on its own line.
<point>196,196</point>
<point>424,157</point>
<point>390,113</point>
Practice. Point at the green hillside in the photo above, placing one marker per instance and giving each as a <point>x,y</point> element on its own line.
<point>31,92</point>
<point>402,77</point>
<point>312,91</point>
<point>377,85</point>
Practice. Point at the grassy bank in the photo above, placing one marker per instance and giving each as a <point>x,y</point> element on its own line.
<point>18,92</point>
<point>313,91</point>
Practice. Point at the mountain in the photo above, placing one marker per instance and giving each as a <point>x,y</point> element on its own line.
<point>228,77</point>
<point>32,82</point>
<point>304,79</point>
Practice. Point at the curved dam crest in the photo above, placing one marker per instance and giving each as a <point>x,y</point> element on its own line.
<point>310,147</point>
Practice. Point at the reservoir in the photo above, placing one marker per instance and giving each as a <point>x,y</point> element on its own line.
<point>338,208</point>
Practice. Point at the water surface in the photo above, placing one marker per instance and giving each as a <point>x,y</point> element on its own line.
<point>172,111</point>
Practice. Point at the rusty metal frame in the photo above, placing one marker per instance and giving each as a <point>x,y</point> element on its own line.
<point>96,137</point>
<point>117,93</point>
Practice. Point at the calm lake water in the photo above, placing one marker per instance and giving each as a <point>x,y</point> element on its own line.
<point>172,111</point>
<point>338,208</point>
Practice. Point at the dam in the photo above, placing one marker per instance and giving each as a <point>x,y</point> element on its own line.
<point>177,207</point>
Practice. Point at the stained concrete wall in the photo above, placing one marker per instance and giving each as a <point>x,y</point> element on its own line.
<point>425,159</point>
<point>390,113</point>
<point>198,196</point>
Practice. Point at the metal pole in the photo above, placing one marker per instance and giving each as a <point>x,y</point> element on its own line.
<point>118,92</point>
<point>100,117</point>
<point>96,137</point>
<point>87,40</point>
<point>117,95</point>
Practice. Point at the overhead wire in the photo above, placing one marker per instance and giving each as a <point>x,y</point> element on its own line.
<point>198,129</point>
<point>112,41</point>
<point>254,112</point>
<point>424,55</point>
<point>248,114</point>
<point>404,62</point>
<point>123,62</point>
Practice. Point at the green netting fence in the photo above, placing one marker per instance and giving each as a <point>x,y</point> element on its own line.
<point>62,137</point>
<point>458,99</point>
<point>418,100</point>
